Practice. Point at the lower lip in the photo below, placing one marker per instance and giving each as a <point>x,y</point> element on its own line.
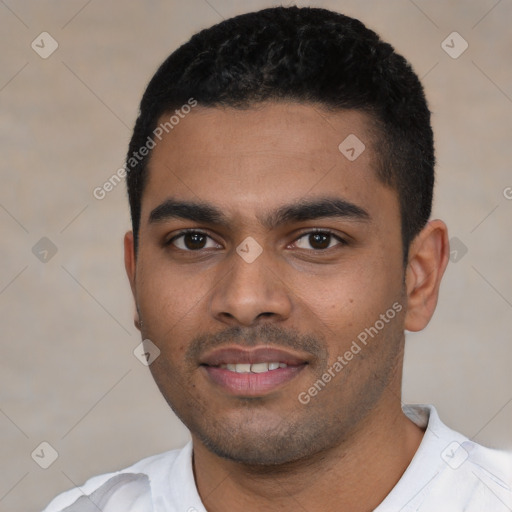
<point>252,384</point>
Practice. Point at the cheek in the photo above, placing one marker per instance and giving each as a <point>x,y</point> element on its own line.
<point>169,298</point>
<point>348,301</point>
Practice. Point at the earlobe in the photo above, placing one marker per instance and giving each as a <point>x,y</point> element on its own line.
<point>130,266</point>
<point>428,257</point>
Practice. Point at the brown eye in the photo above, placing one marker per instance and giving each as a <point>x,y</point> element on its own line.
<point>193,241</point>
<point>318,240</point>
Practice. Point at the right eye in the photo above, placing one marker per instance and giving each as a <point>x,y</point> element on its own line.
<point>193,241</point>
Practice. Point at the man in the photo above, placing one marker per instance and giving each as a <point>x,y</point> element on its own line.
<point>280,178</point>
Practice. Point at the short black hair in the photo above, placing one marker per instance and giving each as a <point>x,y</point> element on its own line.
<point>306,55</point>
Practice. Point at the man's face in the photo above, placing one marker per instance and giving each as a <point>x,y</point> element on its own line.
<point>291,250</point>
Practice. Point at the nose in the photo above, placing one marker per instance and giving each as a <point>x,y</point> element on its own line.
<point>251,292</point>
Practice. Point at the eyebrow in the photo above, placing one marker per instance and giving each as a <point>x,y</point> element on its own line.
<point>307,209</point>
<point>195,211</point>
<point>312,209</point>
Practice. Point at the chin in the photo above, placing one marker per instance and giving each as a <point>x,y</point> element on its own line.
<point>257,443</point>
<point>257,452</point>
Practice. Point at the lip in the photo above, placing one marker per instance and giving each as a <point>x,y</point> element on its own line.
<point>251,384</point>
<point>232,355</point>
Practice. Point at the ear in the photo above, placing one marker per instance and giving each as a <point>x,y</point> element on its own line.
<point>428,257</point>
<point>130,265</point>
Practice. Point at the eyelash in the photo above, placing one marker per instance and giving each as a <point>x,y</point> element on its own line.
<point>182,233</point>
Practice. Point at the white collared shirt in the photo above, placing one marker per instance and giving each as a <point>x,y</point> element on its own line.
<point>449,473</point>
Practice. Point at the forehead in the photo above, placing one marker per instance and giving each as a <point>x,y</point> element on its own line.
<point>270,154</point>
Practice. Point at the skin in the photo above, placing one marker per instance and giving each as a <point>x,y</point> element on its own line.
<point>272,452</point>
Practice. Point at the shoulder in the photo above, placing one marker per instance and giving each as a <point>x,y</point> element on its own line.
<point>485,472</point>
<point>490,459</point>
<point>131,485</point>
<point>463,474</point>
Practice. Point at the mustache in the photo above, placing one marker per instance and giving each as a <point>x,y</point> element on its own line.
<point>263,334</point>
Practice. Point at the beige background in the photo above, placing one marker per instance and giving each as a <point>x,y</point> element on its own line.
<point>68,374</point>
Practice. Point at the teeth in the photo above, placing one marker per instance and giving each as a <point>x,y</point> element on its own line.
<point>253,368</point>
<point>259,367</point>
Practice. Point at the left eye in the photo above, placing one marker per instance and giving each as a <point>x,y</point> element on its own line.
<point>317,240</point>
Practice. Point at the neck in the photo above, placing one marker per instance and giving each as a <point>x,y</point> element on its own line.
<point>339,479</point>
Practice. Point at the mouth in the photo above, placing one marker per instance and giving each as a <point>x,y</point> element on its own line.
<point>252,372</point>
<point>254,367</point>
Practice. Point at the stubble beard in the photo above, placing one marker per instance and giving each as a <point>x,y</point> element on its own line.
<point>257,435</point>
